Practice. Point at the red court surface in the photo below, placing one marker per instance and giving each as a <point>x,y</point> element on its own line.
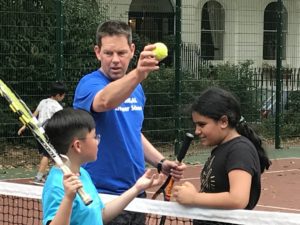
<point>280,185</point>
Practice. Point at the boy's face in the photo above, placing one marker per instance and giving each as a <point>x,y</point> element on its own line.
<point>59,97</point>
<point>115,54</point>
<point>89,146</point>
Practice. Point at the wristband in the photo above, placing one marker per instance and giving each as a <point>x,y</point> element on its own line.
<point>159,165</point>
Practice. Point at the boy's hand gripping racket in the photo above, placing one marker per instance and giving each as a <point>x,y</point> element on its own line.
<point>166,188</point>
<point>25,116</point>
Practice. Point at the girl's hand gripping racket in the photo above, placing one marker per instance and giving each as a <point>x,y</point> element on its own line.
<point>25,116</point>
<point>167,186</point>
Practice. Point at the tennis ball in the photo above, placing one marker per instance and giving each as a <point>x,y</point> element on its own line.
<point>161,51</point>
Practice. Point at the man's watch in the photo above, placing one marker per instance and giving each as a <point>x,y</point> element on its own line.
<point>159,165</point>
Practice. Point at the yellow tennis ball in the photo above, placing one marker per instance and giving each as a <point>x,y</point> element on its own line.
<point>161,51</point>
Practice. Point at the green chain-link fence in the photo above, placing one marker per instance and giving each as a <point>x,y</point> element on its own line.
<point>249,47</point>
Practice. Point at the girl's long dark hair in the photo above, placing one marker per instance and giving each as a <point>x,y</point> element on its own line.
<point>215,102</point>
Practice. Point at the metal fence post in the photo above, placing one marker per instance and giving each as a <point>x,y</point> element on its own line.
<point>59,40</point>
<point>278,74</point>
<point>178,74</point>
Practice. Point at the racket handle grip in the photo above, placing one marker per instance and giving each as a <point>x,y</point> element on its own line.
<point>169,190</point>
<point>185,145</point>
<point>83,195</point>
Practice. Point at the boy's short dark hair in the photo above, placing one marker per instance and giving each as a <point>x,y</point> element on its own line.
<point>57,87</point>
<point>67,124</point>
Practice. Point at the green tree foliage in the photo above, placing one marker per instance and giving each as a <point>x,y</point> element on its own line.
<point>238,79</point>
<point>27,37</point>
<point>30,42</point>
<point>30,47</point>
<point>289,119</point>
<point>292,116</point>
<point>161,109</point>
<point>81,19</point>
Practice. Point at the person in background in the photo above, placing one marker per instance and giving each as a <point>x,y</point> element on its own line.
<point>116,101</point>
<point>45,109</point>
<point>231,177</point>
<point>72,133</point>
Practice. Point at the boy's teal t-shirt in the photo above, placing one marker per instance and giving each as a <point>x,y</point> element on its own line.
<point>53,193</point>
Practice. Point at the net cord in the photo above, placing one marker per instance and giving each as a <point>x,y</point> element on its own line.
<point>247,217</point>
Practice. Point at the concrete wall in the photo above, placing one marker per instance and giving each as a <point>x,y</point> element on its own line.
<point>243,37</point>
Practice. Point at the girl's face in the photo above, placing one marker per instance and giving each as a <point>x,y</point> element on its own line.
<point>210,132</point>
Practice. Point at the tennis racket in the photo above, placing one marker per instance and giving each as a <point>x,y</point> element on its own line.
<point>25,116</point>
<point>166,188</point>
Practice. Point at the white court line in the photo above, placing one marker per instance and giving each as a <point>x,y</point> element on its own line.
<point>269,172</point>
<point>282,171</point>
<point>276,207</point>
<point>287,158</point>
<point>16,179</point>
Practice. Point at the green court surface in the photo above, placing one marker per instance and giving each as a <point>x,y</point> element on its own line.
<point>291,152</point>
<point>16,173</point>
<point>284,153</point>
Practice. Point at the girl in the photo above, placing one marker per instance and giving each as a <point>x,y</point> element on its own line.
<point>231,177</point>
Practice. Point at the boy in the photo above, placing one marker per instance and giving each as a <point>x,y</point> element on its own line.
<point>72,133</point>
<point>44,111</point>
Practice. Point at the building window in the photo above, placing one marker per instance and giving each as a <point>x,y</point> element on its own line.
<point>270,32</point>
<point>212,31</point>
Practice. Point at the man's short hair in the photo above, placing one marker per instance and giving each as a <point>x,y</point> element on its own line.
<point>111,28</point>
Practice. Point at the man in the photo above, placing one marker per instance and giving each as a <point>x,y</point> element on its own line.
<point>116,102</point>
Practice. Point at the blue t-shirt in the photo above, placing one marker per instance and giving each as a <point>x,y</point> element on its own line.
<point>120,159</point>
<point>53,193</point>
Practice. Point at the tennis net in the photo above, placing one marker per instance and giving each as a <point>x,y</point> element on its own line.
<point>21,204</point>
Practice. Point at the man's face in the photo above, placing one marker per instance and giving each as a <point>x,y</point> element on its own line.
<point>115,55</point>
